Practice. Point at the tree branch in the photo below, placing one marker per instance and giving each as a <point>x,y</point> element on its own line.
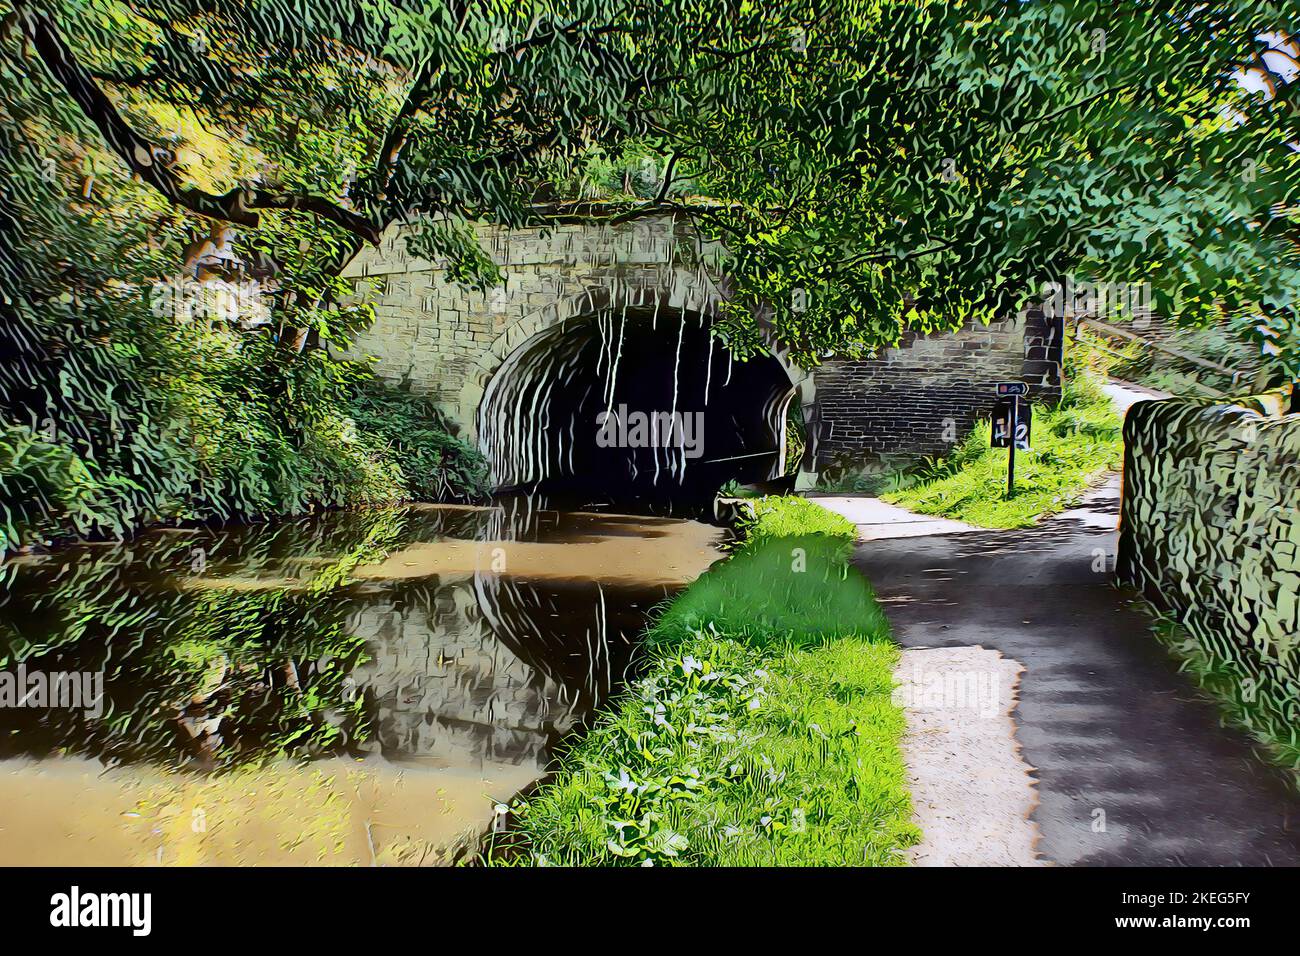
<point>668,178</point>
<point>1078,104</point>
<point>931,250</point>
<point>597,213</point>
<point>390,150</point>
<point>151,163</point>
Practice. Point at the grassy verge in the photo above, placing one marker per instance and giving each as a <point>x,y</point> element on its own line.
<point>762,732</point>
<point>1073,442</point>
<point>788,517</point>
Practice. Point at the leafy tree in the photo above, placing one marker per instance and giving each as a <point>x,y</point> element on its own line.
<point>933,164</point>
<point>127,397</point>
<point>869,165</point>
<point>333,120</point>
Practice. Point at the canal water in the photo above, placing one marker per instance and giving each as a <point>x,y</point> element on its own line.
<point>354,688</point>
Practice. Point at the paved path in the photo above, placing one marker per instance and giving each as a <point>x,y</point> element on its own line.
<point>1126,394</point>
<point>876,519</point>
<point>1132,765</point>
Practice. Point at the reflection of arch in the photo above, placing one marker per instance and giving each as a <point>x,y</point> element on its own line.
<point>581,634</point>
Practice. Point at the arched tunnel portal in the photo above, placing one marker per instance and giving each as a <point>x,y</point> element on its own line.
<point>637,405</point>
<point>542,339</point>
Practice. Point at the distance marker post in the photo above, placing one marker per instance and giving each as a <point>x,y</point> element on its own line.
<point>1011,423</point>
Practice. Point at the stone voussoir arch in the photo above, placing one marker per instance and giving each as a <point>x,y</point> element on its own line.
<point>667,291</point>
<point>448,343</point>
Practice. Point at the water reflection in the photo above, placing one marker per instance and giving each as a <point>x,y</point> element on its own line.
<point>428,637</point>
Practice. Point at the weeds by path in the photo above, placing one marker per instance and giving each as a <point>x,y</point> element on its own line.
<point>1073,442</point>
<point>763,732</point>
<point>1248,696</point>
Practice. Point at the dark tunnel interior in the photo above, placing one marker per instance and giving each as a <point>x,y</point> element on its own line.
<point>633,408</point>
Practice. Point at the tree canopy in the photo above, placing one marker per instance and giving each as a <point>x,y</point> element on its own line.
<point>870,165</point>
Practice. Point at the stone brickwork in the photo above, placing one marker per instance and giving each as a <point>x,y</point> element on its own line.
<point>1043,369</point>
<point>1210,531</point>
<point>927,393</point>
<point>448,343</point>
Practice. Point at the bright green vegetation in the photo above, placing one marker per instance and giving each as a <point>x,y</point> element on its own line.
<point>206,439</point>
<point>796,591</point>
<point>762,732</point>
<point>130,394</point>
<point>1072,443</point>
<point>788,517</point>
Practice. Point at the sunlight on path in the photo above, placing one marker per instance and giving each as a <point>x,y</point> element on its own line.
<point>972,792</point>
<point>877,520</point>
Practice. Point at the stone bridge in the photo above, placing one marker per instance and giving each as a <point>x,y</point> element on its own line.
<point>590,318</point>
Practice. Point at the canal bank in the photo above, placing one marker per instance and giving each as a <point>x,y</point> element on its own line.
<point>763,730</point>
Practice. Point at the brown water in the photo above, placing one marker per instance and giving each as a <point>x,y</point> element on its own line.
<point>354,688</point>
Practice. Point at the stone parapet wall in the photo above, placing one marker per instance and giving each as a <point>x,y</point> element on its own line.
<point>1210,532</point>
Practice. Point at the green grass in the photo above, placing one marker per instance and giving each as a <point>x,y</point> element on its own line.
<point>795,591</point>
<point>787,517</point>
<point>763,732</point>
<point>1072,443</point>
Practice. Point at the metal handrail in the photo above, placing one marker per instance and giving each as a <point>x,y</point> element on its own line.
<point>1107,328</point>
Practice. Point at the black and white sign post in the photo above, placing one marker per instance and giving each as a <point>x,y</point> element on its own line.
<point>1011,452</point>
<point>1011,424</point>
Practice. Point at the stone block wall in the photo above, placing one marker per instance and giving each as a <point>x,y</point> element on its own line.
<point>1043,368</point>
<point>447,342</point>
<point>921,396</point>
<point>1210,532</point>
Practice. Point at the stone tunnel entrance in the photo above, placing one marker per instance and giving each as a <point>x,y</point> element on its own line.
<point>632,405</point>
<point>545,343</point>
